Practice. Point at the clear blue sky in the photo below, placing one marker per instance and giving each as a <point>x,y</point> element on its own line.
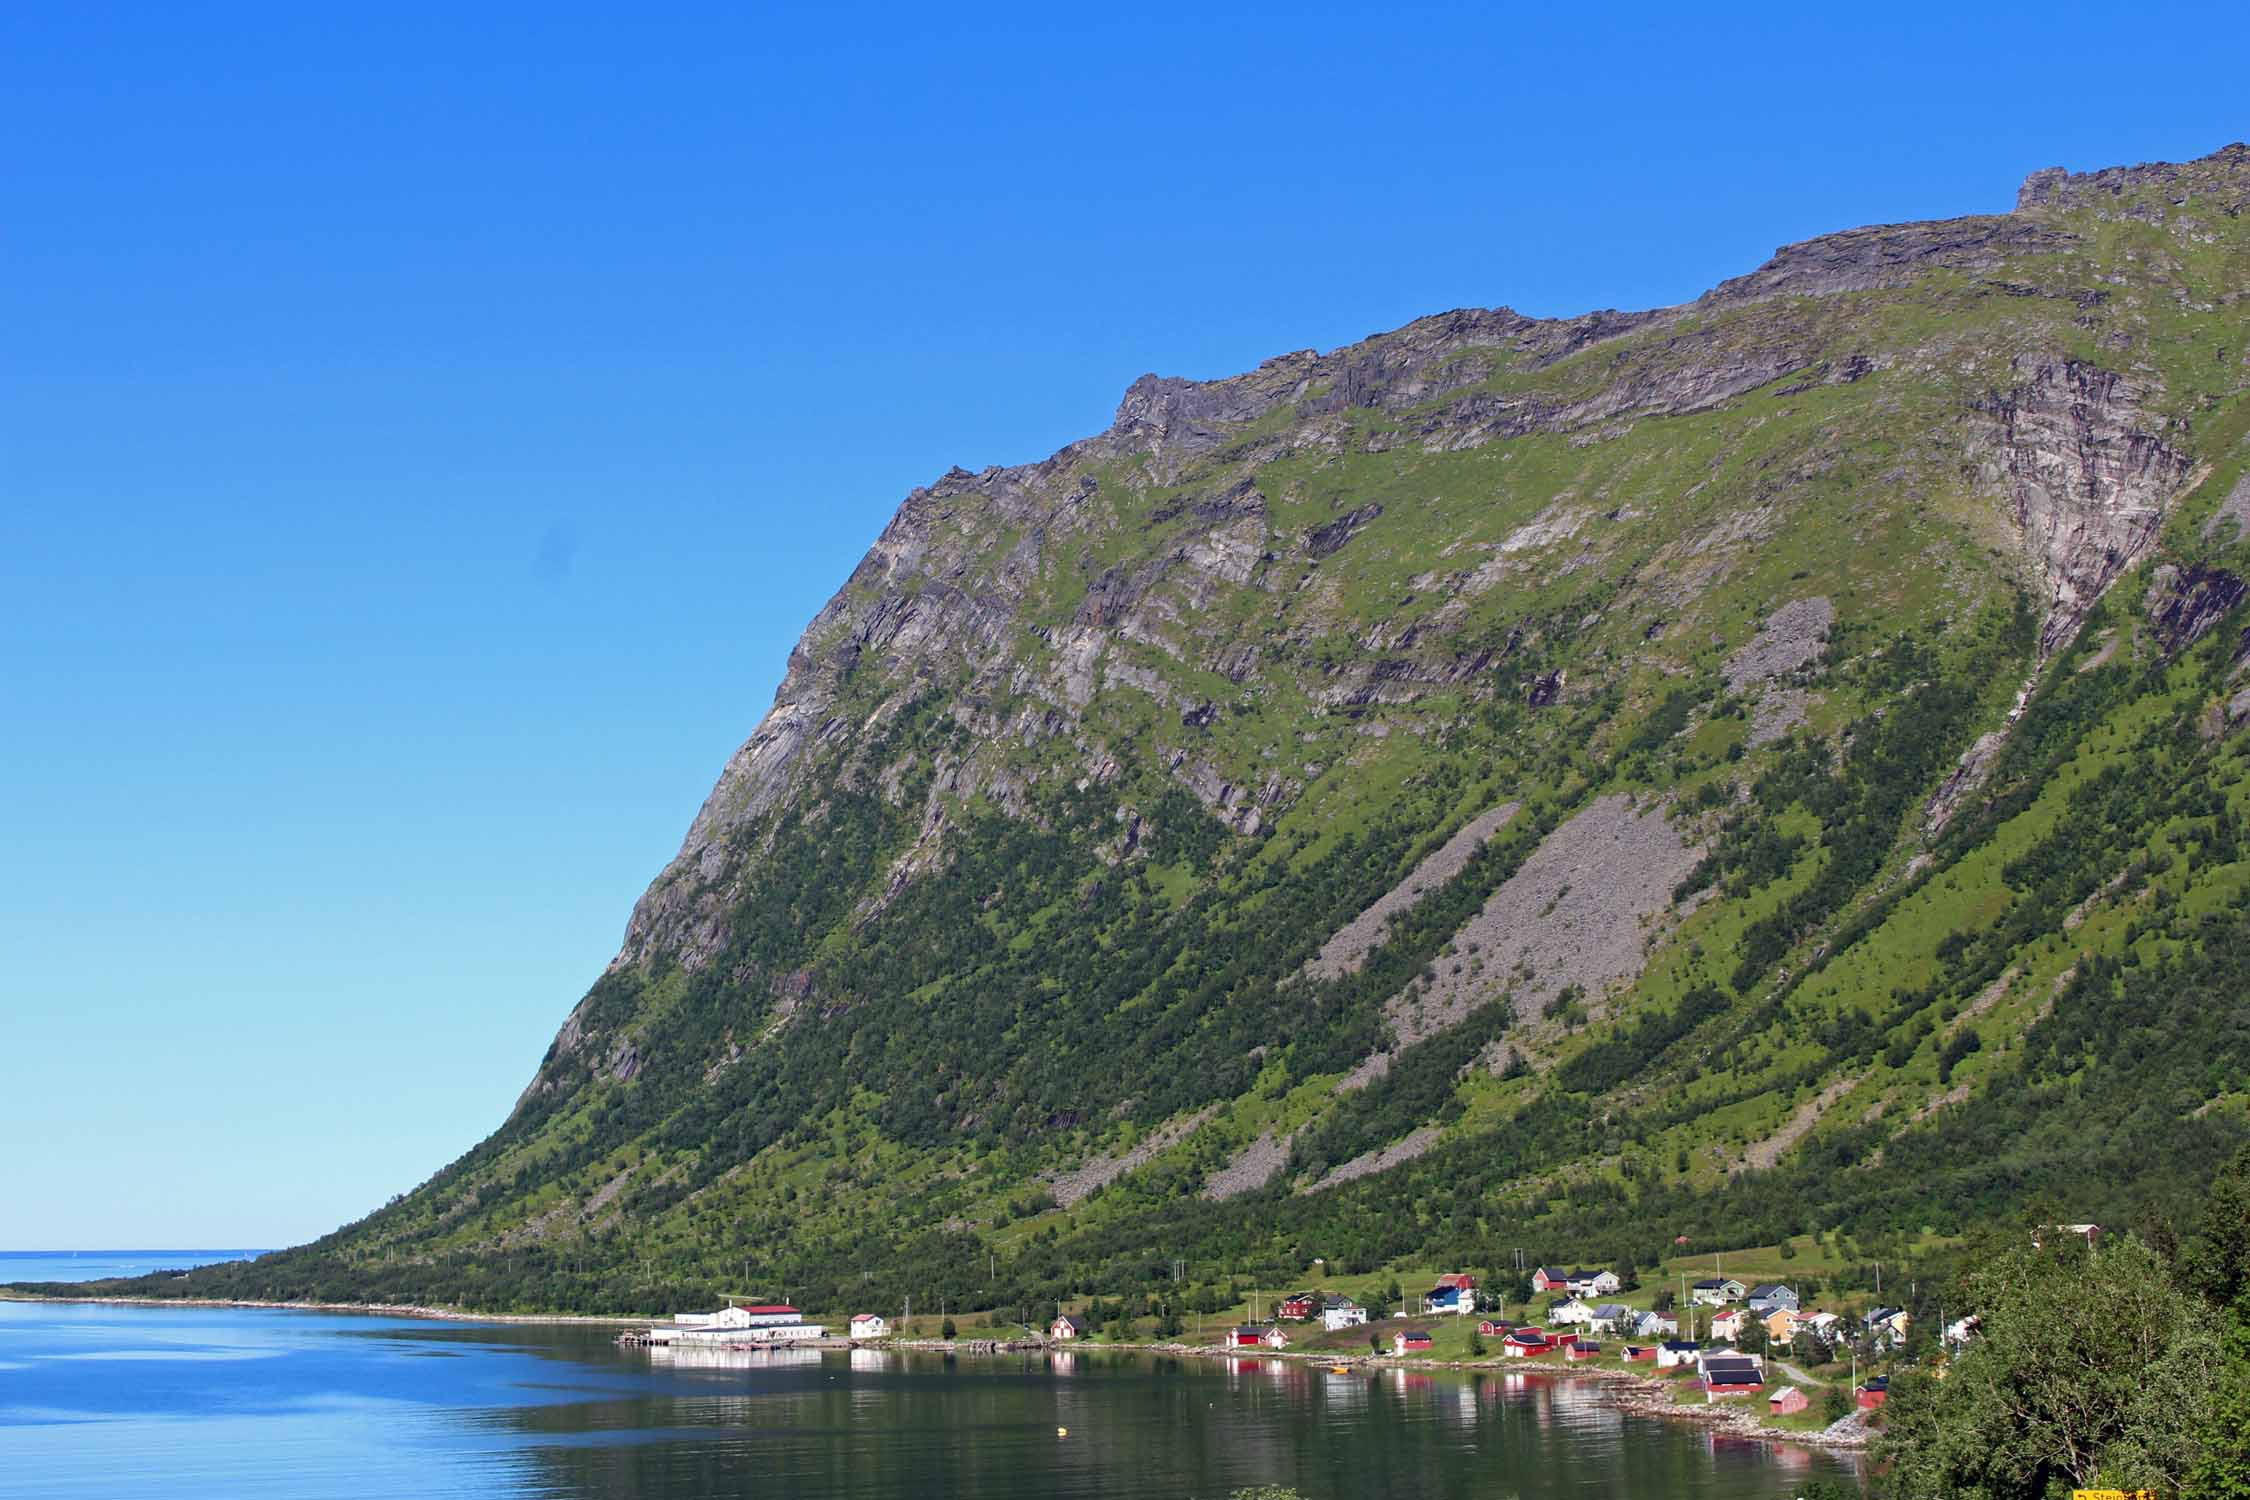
<point>424,429</point>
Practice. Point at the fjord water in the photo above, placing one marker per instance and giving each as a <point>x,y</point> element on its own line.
<point>196,1402</point>
<point>96,1265</point>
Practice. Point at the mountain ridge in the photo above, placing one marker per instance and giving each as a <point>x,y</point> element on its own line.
<point>1787,622</point>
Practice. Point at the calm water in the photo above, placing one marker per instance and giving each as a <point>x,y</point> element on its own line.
<point>93,1265</point>
<point>211,1402</point>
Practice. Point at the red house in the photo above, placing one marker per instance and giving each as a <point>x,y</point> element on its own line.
<point>1874,1393</point>
<point>1244,1338</point>
<point>1495,1328</point>
<point>1787,1400</point>
<point>1303,1305</point>
<point>1576,1350</point>
<point>1550,1279</point>
<point>1640,1351</point>
<point>1413,1341</point>
<point>1525,1343</point>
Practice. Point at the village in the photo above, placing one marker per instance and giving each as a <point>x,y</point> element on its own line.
<point>1815,1368</point>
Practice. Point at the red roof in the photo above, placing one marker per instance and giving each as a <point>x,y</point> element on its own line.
<point>770,1307</point>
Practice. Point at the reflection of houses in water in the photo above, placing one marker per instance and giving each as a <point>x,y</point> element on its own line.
<point>1239,1369</point>
<point>1514,1388</point>
<point>1406,1382</point>
<point>1062,1362</point>
<point>871,1361</point>
<point>1344,1393</point>
<point>1460,1403</point>
<point>704,1356</point>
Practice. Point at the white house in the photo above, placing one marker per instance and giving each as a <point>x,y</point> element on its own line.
<point>1342,1313</point>
<point>1654,1325</point>
<point>1675,1352</point>
<point>1594,1283</point>
<point>1613,1317</point>
<point>1729,1325</point>
<point>869,1326</point>
<point>1575,1311</point>
<point>1888,1325</point>
<point>1717,1291</point>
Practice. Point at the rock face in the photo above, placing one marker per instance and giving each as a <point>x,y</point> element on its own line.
<point>1790,639</point>
<point>1067,862</point>
<point>2089,483</point>
<point>1348,949</point>
<point>1579,914</point>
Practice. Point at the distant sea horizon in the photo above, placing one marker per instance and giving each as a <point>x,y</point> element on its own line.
<point>103,1264</point>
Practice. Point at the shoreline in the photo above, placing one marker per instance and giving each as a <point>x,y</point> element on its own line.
<point>1627,1390</point>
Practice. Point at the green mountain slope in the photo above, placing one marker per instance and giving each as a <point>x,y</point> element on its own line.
<point>1741,768</point>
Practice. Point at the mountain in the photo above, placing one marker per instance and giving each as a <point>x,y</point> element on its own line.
<point>1766,764</point>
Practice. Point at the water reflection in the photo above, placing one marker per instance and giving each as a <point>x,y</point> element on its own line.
<point>361,1407</point>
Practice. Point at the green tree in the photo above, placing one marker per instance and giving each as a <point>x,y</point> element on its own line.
<point>2090,1373</point>
<point>946,1329</point>
<point>2222,1471</point>
<point>1476,1344</point>
<point>2219,1262</point>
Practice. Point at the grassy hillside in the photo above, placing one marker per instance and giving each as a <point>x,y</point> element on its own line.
<point>1859,649</point>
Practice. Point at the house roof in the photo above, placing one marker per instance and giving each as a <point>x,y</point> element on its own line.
<point>1732,1369</point>
<point>1554,1273</point>
<point>1774,1289</point>
<point>1682,1346</point>
<point>1073,1320</point>
<point>1713,1283</point>
<point>866,1317</point>
<point>1415,1337</point>
<point>769,1307</point>
<point>1461,1279</point>
<point>1612,1310</point>
<point>1527,1335</point>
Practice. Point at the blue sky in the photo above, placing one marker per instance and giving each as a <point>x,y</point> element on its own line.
<point>424,430</point>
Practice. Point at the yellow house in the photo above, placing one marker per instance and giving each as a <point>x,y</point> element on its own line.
<point>1781,1325</point>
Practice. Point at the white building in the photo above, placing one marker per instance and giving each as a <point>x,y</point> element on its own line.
<point>1342,1315</point>
<point>869,1326</point>
<point>762,1323</point>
